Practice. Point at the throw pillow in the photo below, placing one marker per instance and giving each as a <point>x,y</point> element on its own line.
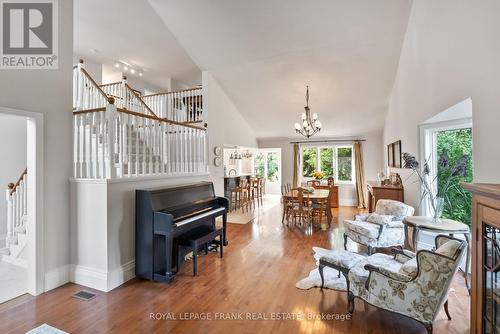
<point>409,268</point>
<point>378,219</point>
<point>449,248</point>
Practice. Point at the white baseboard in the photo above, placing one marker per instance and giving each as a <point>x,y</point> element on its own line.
<point>101,280</point>
<point>54,278</point>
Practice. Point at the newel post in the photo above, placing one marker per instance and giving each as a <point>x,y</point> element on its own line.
<point>80,85</point>
<point>111,118</point>
<point>125,93</point>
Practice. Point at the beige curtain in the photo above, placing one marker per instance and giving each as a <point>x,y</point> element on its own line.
<point>360,175</point>
<point>296,164</point>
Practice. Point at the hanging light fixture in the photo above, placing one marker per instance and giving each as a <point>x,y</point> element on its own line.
<point>310,125</point>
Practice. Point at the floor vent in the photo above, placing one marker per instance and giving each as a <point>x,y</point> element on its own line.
<point>84,295</point>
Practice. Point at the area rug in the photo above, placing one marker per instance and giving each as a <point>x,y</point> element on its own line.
<point>331,276</point>
<point>46,329</point>
<point>255,213</point>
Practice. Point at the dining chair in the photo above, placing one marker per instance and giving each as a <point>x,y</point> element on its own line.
<point>302,209</point>
<point>330,181</point>
<point>322,208</point>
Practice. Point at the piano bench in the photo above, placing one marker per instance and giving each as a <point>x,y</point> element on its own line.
<point>196,237</point>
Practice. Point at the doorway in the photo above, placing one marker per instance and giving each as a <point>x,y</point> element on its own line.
<point>267,164</point>
<point>23,223</point>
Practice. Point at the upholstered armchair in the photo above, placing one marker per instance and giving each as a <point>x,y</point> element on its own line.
<point>414,285</point>
<point>383,228</point>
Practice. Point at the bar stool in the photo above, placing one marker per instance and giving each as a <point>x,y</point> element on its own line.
<point>240,196</point>
<point>257,190</point>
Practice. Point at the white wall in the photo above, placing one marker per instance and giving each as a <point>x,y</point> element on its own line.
<point>93,67</point>
<point>13,153</point>
<point>450,53</point>
<point>50,92</point>
<point>103,228</point>
<point>225,126</point>
<point>372,160</point>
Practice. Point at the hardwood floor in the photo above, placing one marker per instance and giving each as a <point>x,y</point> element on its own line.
<point>258,273</point>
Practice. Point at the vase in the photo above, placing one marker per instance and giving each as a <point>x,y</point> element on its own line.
<point>437,208</point>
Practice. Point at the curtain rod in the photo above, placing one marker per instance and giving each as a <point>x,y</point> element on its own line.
<point>327,141</point>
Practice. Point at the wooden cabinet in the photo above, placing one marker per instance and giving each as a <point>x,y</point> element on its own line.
<point>377,191</point>
<point>335,197</point>
<point>485,268</point>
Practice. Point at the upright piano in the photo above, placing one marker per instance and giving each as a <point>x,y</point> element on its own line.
<point>164,213</point>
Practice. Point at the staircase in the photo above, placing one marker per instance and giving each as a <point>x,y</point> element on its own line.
<point>15,242</point>
<point>119,133</point>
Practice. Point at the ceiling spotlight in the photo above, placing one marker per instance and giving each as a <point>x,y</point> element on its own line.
<point>117,65</point>
<point>125,68</point>
<point>132,71</point>
<point>140,74</point>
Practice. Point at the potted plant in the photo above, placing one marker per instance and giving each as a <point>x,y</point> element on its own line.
<point>437,198</point>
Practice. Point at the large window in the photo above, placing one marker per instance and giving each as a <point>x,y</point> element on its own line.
<point>336,161</point>
<point>267,165</point>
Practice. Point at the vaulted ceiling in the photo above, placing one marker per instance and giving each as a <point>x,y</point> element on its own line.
<point>264,53</point>
<point>131,31</point>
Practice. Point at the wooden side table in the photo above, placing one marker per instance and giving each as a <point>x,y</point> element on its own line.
<point>378,191</point>
<point>415,224</point>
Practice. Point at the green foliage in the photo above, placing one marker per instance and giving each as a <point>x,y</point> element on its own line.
<point>456,143</point>
<point>308,161</point>
<point>272,167</point>
<point>326,161</point>
<point>344,158</point>
<point>259,164</point>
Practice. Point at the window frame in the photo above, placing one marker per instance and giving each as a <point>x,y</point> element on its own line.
<point>334,161</point>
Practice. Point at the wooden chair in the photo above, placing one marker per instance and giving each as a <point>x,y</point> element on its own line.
<point>240,196</point>
<point>314,183</point>
<point>302,208</point>
<point>288,187</point>
<point>331,181</point>
<point>323,207</point>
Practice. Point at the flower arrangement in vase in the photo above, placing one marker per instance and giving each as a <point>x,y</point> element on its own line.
<point>436,198</point>
<point>318,175</point>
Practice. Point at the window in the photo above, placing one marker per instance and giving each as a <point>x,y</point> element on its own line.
<point>267,165</point>
<point>336,161</point>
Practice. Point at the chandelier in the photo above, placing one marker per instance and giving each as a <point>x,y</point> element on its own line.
<point>309,125</point>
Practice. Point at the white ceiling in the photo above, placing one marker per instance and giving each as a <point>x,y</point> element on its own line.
<point>264,52</point>
<point>130,30</point>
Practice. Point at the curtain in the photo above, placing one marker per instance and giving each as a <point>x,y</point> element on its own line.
<point>296,164</point>
<point>360,175</point>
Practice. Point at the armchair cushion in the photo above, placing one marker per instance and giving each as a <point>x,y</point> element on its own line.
<point>409,268</point>
<point>364,228</point>
<point>394,208</point>
<point>449,248</point>
<point>361,217</point>
<point>379,219</point>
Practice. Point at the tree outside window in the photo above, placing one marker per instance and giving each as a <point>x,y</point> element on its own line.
<point>326,161</point>
<point>309,158</point>
<point>344,163</point>
<point>260,164</point>
<point>272,167</point>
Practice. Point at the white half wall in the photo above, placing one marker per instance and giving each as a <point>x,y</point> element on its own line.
<point>372,161</point>
<point>226,125</point>
<point>50,92</point>
<point>13,153</point>
<point>103,228</point>
<point>450,53</point>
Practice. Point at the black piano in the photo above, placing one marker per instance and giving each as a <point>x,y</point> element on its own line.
<point>164,213</point>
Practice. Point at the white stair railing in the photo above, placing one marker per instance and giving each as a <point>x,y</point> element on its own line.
<point>114,142</point>
<point>86,93</point>
<point>17,208</point>
<point>126,97</point>
<point>182,106</point>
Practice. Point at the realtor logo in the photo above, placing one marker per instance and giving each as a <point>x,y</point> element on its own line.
<point>29,34</point>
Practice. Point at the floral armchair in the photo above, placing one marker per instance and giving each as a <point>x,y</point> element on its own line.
<point>414,285</point>
<point>383,228</point>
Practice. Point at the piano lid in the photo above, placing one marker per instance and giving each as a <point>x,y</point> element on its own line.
<point>163,198</point>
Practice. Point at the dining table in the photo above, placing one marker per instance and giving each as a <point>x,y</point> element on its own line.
<point>316,196</point>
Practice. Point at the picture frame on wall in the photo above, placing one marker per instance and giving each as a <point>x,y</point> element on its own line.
<point>397,154</point>
<point>394,155</point>
<point>390,155</point>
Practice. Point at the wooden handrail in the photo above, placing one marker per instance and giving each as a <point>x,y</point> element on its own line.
<point>109,84</point>
<point>93,82</point>
<point>172,92</point>
<point>13,186</point>
<point>137,96</point>
<point>156,118</point>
